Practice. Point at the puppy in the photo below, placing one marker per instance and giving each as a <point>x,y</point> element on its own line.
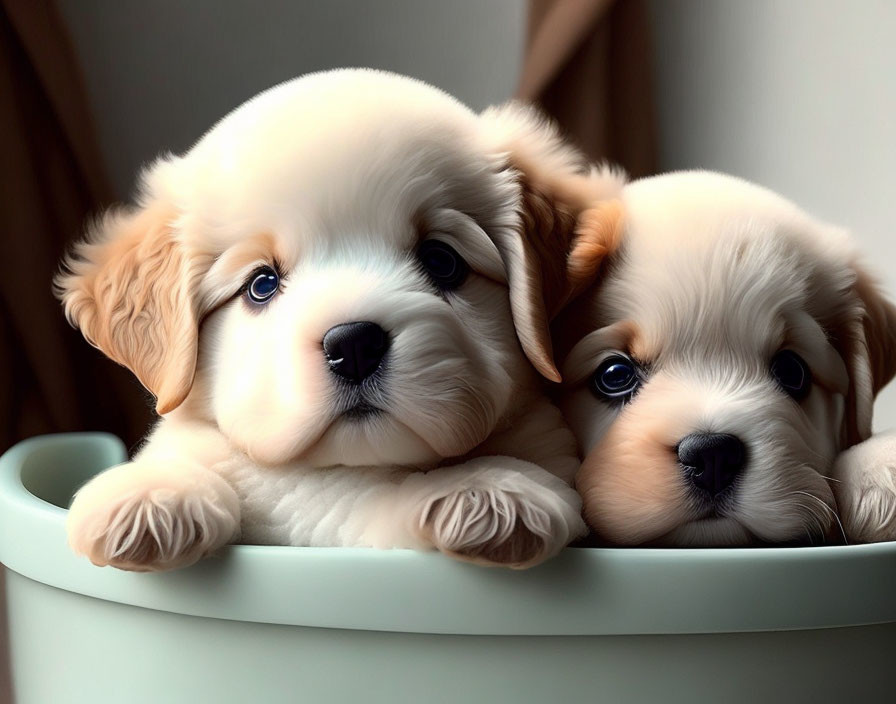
<point>337,297</point>
<point>730,348</point>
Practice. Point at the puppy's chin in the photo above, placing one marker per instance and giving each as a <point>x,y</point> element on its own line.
<point>707,533</point>
<point>729,532</point>
<point>370,438</point>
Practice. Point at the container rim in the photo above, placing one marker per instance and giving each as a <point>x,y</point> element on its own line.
<point>583,591</point>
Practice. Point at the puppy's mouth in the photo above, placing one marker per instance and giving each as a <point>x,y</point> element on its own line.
<point>705,507</point>
<point>360,402</point>
<point>718,525</point>
<point>712,522</point>
<point>711,530</point>
<point>361,411</point>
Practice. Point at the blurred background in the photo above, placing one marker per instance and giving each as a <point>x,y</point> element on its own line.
<point>798,96</point>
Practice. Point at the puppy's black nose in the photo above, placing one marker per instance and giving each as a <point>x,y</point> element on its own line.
<point>712,461</point>
<point>354,350</point>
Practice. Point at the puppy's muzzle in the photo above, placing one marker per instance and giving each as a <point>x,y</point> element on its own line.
<point>712,461</point>
<point>355,351</point>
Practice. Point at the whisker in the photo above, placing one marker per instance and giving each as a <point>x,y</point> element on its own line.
<point>809,536</point>
<point>827,509</point>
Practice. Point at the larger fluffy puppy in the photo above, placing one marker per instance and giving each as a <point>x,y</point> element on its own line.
<point>731,347</point>
<point>317,295</point>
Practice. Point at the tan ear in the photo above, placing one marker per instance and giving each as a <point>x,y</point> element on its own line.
<point>598,234</point>
<point>127,288</point>
<point>866,339</point>
<point>568,223</point>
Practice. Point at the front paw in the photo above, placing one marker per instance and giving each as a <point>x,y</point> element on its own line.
<point>142,517</point>
<point>503,517</point>
<point>865,489</point>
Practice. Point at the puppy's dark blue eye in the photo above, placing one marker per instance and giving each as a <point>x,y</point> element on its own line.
<point>445,266</point>
<point>792,374</point>
<point>615,378</point>
<point>262,285</point>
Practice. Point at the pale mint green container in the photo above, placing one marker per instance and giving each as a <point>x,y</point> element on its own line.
<point>277,624</point>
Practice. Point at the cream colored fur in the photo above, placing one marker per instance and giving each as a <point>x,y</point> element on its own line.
<point>865,477</point>
<point>711,278</point>
<point>335,178</point>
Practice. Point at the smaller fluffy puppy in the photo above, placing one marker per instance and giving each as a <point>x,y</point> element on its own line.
<point>337,297</point>
<point>730,349</point>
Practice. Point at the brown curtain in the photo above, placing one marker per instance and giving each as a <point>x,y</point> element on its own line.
<point>588,65</point>
<point>51,181</point>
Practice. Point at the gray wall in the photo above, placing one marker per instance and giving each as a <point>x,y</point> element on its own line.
<point>160,73</point>
<point>799,96</point>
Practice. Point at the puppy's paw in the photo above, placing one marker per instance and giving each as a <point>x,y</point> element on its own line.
<point>865,489</point>
<point>487,526</point>
<point>502,516</point>
<point>143,517</point>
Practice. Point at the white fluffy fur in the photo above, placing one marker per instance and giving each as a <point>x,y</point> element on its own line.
<point>713,277</point>
<point>336,176</point>
<point>865,477</point>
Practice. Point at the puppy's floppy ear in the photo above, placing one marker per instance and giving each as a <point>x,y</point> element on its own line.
<point>569,221</point>
<point>865,336</point>
<point>127,287</point>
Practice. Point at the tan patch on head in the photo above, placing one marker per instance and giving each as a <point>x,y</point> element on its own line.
<point>263,246</point>
<point>579,344</point>
<point>598,235</point>
<point>625,336</point>
<point>235,264</point>
<point>637,345</point>
<point>632,487</point>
